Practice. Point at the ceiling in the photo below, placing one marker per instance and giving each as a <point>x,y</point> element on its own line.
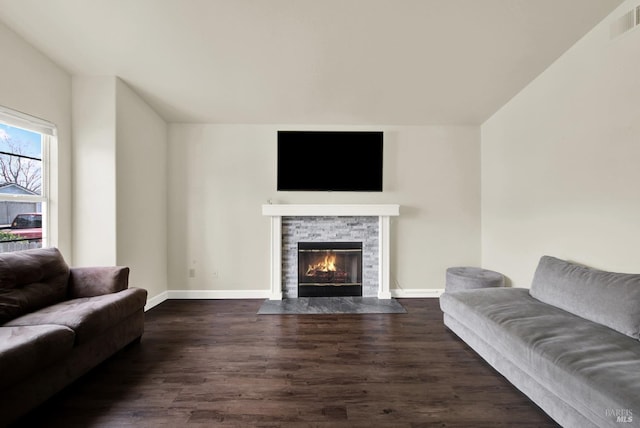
<point>392,62</point>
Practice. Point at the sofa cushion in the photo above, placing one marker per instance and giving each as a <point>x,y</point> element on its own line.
<point>31,280</point>
<point>26,349</point>
<point>591,367</point>
<point>608,298</point>
<point>96,281</point>
<point>88,316</point>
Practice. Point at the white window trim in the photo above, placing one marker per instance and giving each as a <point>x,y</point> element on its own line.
<point>48,131</point>
<point>26,121</point>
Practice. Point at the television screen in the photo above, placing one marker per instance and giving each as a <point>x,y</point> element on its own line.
<point>330,161</point>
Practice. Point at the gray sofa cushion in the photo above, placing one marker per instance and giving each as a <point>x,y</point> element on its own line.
<point>27,349</point>
<point>31,280</point>
<point>592,368</point>
<point>608,298</point>
<point>97,281</point>
<point>88,316</point>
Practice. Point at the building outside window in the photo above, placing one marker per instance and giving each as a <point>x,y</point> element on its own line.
<point>24,192</point>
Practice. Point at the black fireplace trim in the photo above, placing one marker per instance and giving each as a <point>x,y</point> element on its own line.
<point>335,291</point>
<point>329,245</point>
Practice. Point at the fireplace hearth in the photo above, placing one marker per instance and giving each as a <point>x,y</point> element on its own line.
<point>328,269</point>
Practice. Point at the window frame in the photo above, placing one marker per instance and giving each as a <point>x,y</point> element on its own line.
<point>48,133</point>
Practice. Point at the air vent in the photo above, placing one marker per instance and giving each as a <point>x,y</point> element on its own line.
<point>625,23</point>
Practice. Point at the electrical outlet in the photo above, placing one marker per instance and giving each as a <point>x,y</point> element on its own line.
<point>214,274</point>
<point>192,273</point>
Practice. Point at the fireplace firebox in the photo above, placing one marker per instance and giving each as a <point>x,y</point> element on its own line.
<point>329,269</point>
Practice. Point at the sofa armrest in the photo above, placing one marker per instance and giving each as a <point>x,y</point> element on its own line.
<point>96,281</point>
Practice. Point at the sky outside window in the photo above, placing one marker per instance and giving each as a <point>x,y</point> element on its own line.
<point>20,159</point>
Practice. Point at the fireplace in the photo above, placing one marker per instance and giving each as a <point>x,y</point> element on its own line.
<point>329,269</point>
<point>293,223</point>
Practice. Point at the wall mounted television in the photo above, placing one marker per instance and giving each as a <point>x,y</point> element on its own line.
<point>336,161</point>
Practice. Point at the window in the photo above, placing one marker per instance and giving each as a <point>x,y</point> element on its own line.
<point>24,195</point>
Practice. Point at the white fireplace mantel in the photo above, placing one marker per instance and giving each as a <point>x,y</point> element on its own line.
<point>382,211</point>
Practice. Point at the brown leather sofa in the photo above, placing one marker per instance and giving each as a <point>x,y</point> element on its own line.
<point>56,323</point>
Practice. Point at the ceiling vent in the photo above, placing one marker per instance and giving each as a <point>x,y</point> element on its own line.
<point>626,22</point>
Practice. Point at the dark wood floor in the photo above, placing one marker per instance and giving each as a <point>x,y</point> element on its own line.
<point>216,363</point>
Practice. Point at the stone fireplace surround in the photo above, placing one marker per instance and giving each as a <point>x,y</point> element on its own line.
<point>330,229</point>
<point>337,222</point>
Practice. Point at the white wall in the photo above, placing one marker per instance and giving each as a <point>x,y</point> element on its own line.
<point>94,164</point>
<point>220,175</point>
<point>141,191</point>
<point>31,83</point>
<point>560,168</point>
<point>120,181</point>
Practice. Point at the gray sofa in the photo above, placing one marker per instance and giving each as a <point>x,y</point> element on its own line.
<point>56,323</point>
<point>570,343</point>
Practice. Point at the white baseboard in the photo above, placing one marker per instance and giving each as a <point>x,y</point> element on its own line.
<point>218,294</point>
<point>156,300</point>
<point>265,294</point>
<point>205,294</point>
<point>416,293</point>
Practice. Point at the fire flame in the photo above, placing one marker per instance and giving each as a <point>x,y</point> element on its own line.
<point>328,264</point>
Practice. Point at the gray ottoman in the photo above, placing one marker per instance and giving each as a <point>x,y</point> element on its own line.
<point>465,278</point>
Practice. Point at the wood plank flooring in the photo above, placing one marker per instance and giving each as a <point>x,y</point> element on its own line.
<point>210,363</point>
